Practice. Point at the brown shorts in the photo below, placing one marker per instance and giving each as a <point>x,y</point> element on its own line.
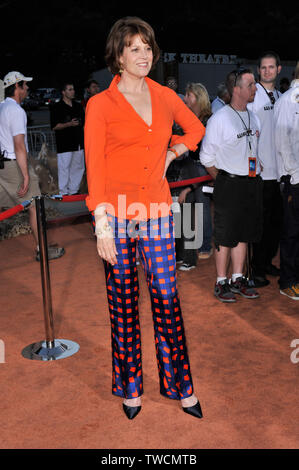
<point>10,180</point>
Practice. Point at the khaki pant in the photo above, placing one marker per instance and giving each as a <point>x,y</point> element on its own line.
<point>10,181</point>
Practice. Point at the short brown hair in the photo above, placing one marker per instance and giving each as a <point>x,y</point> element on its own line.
<point>119,37</point>
<point>234,78</point>
<point>268,55</point>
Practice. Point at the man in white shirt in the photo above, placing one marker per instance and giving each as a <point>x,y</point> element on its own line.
<point>222,98</point>
<point>286,125</point>
<point>18,182</point>
<point>263,105</point>
<point>229,153</point>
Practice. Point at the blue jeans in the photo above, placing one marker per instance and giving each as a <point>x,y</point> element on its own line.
<point>207,218</point>
<point>193,169</point>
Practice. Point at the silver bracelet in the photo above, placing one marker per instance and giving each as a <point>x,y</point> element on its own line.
<point>100,210</point>
<point>104,231</point>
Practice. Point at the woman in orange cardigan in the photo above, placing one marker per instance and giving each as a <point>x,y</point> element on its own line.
<point>127,134</point>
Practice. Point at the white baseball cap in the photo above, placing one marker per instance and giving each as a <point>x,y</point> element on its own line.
<point>14,77</point>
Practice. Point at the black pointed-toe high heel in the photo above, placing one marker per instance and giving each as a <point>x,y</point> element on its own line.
<point>131,411</point>
<point>194,410</point>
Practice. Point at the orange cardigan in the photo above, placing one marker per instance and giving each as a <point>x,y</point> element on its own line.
<point>125,157</point>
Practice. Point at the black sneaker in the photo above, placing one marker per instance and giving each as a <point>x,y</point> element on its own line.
<point>54,252</point>
<point>244,288</point>
<point>223,292</point>
<point>260,281</point>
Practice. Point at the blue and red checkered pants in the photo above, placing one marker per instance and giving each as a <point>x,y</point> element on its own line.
<point>155,242</point>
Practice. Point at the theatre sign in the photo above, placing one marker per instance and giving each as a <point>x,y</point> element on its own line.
<point>185,58</point>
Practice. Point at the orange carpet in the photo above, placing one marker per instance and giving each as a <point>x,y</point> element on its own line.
<point>239,354</point>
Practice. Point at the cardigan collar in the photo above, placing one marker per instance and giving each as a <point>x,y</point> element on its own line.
<point>152,85</point>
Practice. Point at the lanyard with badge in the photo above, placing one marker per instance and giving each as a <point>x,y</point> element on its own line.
<point>251,158</point>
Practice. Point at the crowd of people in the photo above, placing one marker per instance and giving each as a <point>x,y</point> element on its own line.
<point>18,181</point>
<point>242,152</point>
<point>133,137</point>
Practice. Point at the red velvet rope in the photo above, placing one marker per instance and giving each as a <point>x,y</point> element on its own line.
<point>174,184</point>
<point>199,179</point>
<point>81,197</point>
<point>13,211</point>
<point>75,197</point>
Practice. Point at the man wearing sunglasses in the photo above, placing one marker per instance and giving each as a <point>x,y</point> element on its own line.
<point>263,105</point>
<point>229,153</point>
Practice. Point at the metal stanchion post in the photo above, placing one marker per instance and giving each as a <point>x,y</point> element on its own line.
<point>50,349</point>
<point>249,274</point>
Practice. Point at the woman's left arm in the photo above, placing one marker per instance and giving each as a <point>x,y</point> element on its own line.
<point>192,127</point>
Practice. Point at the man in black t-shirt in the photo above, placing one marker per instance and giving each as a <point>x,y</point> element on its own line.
<point>67,120</point>
<point>92,89</point>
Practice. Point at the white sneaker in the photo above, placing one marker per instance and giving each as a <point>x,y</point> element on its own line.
<point>186,267</point>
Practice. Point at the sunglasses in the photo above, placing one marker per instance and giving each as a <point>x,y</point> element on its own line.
<point>239,72</point>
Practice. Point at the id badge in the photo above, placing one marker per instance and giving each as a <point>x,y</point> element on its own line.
<point>252,167</point>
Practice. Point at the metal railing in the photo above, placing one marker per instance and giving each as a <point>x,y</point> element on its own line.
<point>39,135</point>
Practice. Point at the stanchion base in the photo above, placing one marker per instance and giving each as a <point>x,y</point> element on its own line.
<point>40,352</point>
